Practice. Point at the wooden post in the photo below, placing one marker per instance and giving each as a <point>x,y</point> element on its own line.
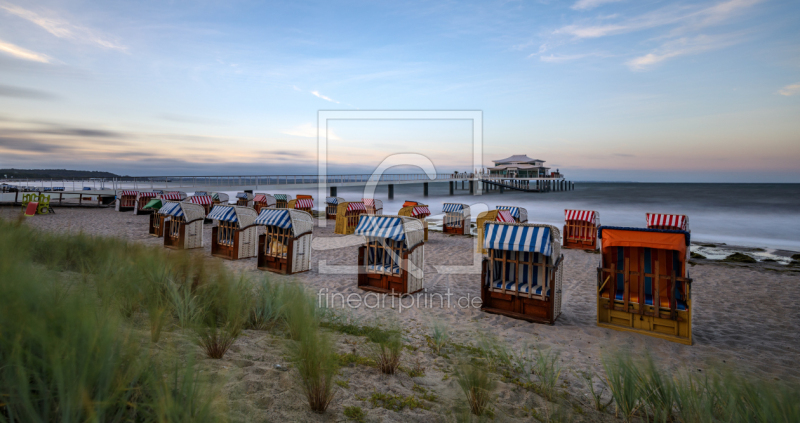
<point>333,191</point>
<point>471,187</point>
<point>424,189</point>
<point>391,191</point>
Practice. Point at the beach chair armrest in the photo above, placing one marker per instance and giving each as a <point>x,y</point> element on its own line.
<point>558,262</point>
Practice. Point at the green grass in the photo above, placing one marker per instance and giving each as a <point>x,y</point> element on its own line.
<point>478,387</point>
<point>355,413</point>
<point>67,347</point>
<point>396,402</point>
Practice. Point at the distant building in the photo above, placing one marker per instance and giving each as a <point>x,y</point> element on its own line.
<point>519,166</point>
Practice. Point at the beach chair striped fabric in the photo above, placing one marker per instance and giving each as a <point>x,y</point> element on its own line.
<point>381,227</point>
<point>172,196</point>
<point>285,245</point>
<point>505,216</point>
<point>304,203</point>
<point>203,200</point>
<point>332,200</point>
<point>274,217</point>
<point>222,213</point>
<point>519,214</point>
<point>532,239</point>
<point>127,193</point>
<point>452,208</point>
<point>171,209</point>
<point>355,206</point>
<point>581,215</point>
<point>667,221</point>
<point>420,212</point>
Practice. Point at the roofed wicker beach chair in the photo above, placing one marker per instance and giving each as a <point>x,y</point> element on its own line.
<point>184,229</point>
<point>245,199</point>
<point>393,255</point>
<point>302,202</point>
<point>234,236</point>
<point>643,282</point>
<point>521,271</point>
<point>156,226</point>
<point>330,206</point>
<point>142,198</point>
<point>282,200</point>
<point>580,229</point>
<point>519,214</point>
<point>347,215</point>
<point>262,200</point>
<point>374,207</point>
<point>456,219</point>
<point>491,216</point>
<point>678,222</point>
<point>285,245</point>
<point>203,200</point>
<point>417,211</point>
<point>219,198</point>
<point>126,200</point>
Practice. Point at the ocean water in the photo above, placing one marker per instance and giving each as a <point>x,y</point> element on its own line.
<point>751,215</point>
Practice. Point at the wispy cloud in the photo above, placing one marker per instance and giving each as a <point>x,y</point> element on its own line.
<point>681,35</point>
<point>25,93</point>
<point>792,89</point>
<point>326,98</point>
<point>22,53</point>
<point>681,47</point>
<point>63,29</point>
<point>561,58</point>
<point>590,4</point>
<point>309,130</point>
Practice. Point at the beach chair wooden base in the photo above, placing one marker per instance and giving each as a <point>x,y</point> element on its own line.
<point>183,240</point>
<point>281,264</point>
<point>156,227</point>
<point>241,248</point>
<point>391,284</point>
<point>329,216</point>
<point>647,323</point>
<point>580,239</point>
<point>534,309</point>
<point>455,230</point>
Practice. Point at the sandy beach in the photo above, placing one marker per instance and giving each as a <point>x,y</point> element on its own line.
<point>745,317</point>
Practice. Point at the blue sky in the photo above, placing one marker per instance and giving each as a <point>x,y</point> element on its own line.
<point>602,89</point>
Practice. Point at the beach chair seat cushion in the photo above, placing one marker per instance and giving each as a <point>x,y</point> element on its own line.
<point>387,269</point>
<point>511,286</point>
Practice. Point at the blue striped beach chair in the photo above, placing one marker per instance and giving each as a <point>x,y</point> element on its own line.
<point>521,271</point>
<point>285,245</point>
<point>391,259</point>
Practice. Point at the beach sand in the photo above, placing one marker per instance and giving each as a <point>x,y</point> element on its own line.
<point>745,317</point>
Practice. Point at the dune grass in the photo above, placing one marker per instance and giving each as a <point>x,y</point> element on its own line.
<point>66,350</point>
<point>478,386</point>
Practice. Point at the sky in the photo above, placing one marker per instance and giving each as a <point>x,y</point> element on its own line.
<point>605,90</point>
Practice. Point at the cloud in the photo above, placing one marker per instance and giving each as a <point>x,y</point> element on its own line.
<point>187,119</point>
<point>22,53</point>
<point>309,130</point>
<point>681,47</point>
<point>560,58</point>
<point>24,93</point>
<point>789,90</point>
<point>63,29</point>
<point>687,17</point>
<point>326,98</point>
<point>590,4</point>
<point>28,145</point>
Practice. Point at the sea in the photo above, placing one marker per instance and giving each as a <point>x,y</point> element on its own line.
<point>763,216</point>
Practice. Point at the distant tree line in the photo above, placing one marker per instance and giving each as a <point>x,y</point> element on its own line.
<point>54,173</point>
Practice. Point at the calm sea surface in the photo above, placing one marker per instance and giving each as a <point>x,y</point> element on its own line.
<point>757,215</point>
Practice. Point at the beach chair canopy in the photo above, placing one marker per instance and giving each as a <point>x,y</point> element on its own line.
<point>171,209</point>
<point>334,200</point>
<point>282,197</point>
<point>582,215</point>
<point>665,239</point>
<point>677,221</point>
<point>505,216</point>
<point>420,211</point>
<point>147,194</point>
<point>201,193</point>
<point>260,197</point>
<point>244,216</point>
<point>518,237</point>
<point>355,206</point>
<point>174,196</point>
<point>410,203</point>
<point>155,203</point>
<point>455,208</point>
<point>298,221</point>
<point>127,193</point>
<point>397,228</point>
<point>241,195</point>
<point>514,211</point>
<point>304,203</point>
<point>201,199</point>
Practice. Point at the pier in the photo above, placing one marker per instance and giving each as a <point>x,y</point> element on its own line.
<point>98,192</point>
